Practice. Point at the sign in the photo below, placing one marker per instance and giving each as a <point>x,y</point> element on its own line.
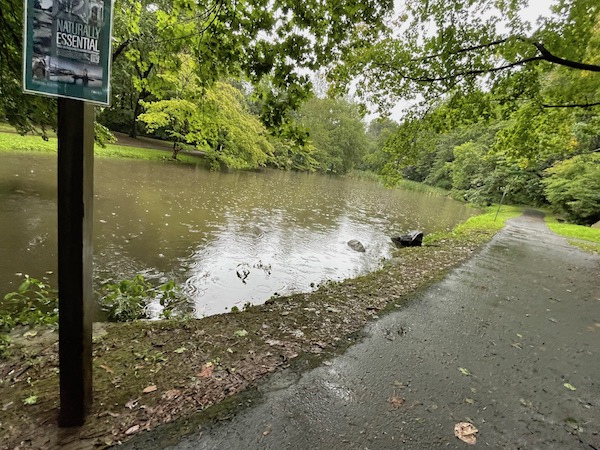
<point>66,51</point>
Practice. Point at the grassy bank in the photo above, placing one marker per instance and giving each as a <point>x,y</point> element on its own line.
<point>148,374</point>
<point>12,142</point>
<point>586,238</point>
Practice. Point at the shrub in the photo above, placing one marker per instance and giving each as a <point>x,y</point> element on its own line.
<point>572,187</point>
<point>128,299</point>
<point>34,303</point>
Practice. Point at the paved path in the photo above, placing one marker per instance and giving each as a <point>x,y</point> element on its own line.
<point>521,319</point>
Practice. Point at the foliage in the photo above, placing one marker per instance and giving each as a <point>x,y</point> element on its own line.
<point>27,113</point>
<point>438,46</point>
<point>572,187</point>
<point>5,343</point>
<point>288,154</point>
<point>34,303</point>
<point>126,300</point>
<point>220,125</point>
<point>337,132</point>
<point>102,135</point>
<point>234,39</point>
<point>129,299</point>
<point>379,132</point>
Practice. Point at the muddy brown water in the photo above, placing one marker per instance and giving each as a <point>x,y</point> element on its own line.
<point>227,238</point>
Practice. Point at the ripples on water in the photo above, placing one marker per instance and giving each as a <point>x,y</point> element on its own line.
<point>227,239</point>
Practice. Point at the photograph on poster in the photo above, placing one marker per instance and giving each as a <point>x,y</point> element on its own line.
<point>67,49</point>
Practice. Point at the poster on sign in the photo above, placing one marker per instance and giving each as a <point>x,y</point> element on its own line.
<point>67,51</point>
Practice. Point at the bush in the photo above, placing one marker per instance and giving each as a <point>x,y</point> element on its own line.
<point>128,299</point>
<point>34,303</point>
<point>116,119</point>
<point>572,187</point>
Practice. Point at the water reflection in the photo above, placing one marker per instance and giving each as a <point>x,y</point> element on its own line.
<point>227,238</point>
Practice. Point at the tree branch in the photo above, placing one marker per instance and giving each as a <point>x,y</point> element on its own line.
<point>464,73</point>
<point>461,50</point>
<point>573,105</point>
<point>122,46</point>
<point>548,56</point>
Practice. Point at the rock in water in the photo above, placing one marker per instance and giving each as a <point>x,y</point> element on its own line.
<point>356,245</point>
<point>411,239</point>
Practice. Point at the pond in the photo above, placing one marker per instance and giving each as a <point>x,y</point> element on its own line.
<point>226,238</point>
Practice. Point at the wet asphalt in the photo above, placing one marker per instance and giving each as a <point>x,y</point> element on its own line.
<point>493,344</point>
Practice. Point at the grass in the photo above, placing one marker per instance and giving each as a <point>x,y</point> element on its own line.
<point>12,142</point>
<point>485,224</point>
<point>421,187</point>
<point>585,238</point>
<point>570,230</point>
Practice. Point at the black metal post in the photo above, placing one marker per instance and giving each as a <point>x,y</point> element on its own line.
<point>75,200</point>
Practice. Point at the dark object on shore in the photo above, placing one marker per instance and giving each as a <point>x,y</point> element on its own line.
<point>356,246</point>
<point>411,239</point>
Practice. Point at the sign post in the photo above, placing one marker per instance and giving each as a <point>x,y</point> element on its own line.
<point>75,208</point>
<point>66,54</point>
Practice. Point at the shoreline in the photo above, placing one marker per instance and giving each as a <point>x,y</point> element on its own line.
<point>148,374</point>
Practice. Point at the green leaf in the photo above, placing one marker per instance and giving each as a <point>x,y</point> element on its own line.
<point>241,333</point>
<point>570,387</point>
<point>31,400</point>
<point>464,371</point>
<point>180,350</point>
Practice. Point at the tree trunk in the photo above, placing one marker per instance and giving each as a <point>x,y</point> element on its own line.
<point>136,113</point>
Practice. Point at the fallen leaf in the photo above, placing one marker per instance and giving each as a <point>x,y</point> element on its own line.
<point>132,403</point>
<point>31,400</point>
<point>132,430</point>
<point>464,371</point>
<point>240,333</point>
<point>465,431</point>
<point>180,350</point>
<point>149,389</point>
<point>395,400</point>
<point>171,394</point>
<point>470,401</point>
<point>30,334</point>
<point>207,370</point>
<point>570,386</point>
<point>108,369</point>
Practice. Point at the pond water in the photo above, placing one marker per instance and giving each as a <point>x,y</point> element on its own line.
<point>227,238</point>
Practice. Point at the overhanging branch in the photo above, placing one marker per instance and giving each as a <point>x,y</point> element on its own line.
<point>548,56</point>
<point>573,105</point>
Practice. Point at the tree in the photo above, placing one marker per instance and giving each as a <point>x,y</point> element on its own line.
<point>573,188</point>
<point>218,124</point>
<point>27,113</point>
<point>441,46</point>
<point>378,132</point>
<point>251,38</point>
<point>336,130</point>
<point>225,37</point>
